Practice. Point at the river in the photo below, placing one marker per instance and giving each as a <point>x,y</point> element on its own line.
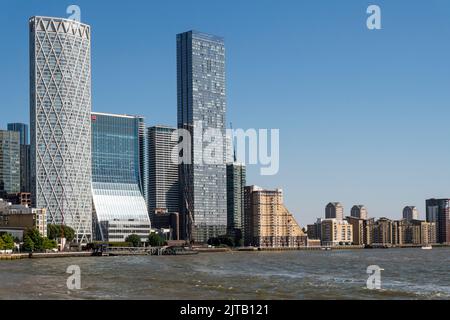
<point>407,274</point>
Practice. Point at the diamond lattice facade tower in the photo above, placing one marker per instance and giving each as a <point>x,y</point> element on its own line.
<point>60,119</point>
<point>201,108</point>
<point>119,205</point>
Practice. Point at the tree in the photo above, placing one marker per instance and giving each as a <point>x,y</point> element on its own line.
<point>134,239</point>
<point>55,231</point>
<point>8,242</point>
<point>2,244</point>
<point>49,244</point>
<point>155,240</point>
<point>28,244</point>
<point>221,241</point>
<point>36,238</point>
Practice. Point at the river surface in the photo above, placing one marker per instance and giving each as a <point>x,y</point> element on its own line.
<point>408,274</point>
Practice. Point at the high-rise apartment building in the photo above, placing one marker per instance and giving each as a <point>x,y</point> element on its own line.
<point>236,177</point>
<point>268,223</point>
<point>358,230</point>
<point>163,189</point>
<point>334,210</point>
<point>410,213</point>
<point>438,211</point>
<point>384,232</point>
<point>359,211</point>
<point>60,120</point>
<point>9,162</point>
<point>119,205</point>
<point>25,160</point>
<point>201,111</point>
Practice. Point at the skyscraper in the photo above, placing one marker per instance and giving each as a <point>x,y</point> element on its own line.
<point>119,204</point>
<point>201,109</point>
<point>334,210</point>
<point>9,162</point>
<point>235,199</point>
<point>163,190</point>
<point>438,211</point>
<point>359,211</point>
<point>410,213</point>
<point>60,118</point>
<point>22,128</point>
<point>25,160</point>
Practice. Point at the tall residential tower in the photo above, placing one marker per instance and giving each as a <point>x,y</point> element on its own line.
<point>201,111</point>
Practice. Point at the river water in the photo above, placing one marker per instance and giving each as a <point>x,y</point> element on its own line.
<point>408,274</point>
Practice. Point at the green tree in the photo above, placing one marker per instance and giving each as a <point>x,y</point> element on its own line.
<point>2,244</point>
<point>28,244</point>
<point>49,244</point>
<point>8,242</point>
<point>155,240</point>
<point>134,239</point>
<point>55,231</point>
<point>36,238</point>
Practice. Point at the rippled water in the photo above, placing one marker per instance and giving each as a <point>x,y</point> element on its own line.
<point>408,274</point>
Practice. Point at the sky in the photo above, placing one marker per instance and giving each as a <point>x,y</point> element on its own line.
<point>363,114</point>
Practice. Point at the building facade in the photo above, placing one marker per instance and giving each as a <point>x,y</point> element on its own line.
<point>16,219</point>
<point>201,100</point>
<point>336,232</point>
<point>410,213</point>
<point>163,188</point>
<point>9,162</point>
<point>25,160</point>
<point>60,121</point>
<point>358,226</point>
<point>268,223</point>
<point>438,211</point>
<point>236,178</point>
<point>383,232</point>
<point>119,205</point>
<point>334,210</point>
<point>359,211</point>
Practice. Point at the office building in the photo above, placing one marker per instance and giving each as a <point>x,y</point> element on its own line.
<point>60,121</point>
<point>438,211</point>
<point>202,110</point>
<point>163,189</point>
<point>22,128</point>
<point>9,162</point>
<point>119,205</point>
<point>336,232</point>
<point>334,210</point>
<point>236,177</point>
<point>410,213</point>
<point>268,223</point>
<point>25,156</point>
<point>359,211</point>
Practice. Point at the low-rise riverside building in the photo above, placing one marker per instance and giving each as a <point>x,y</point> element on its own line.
<point>15,219</point>
<point>336,232</point>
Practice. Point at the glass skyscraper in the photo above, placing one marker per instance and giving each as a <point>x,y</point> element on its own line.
<point>9,162</point>
<point>60,121</point>
<point>201,103</point>
<point>117,177</point>
<point>22,128</point>
<point>25,160</point>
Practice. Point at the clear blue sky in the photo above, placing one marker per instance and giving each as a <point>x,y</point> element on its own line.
<point>363,115</point>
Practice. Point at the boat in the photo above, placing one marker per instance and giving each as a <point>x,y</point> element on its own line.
<point>427,247</point>
<point>179,251</point>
